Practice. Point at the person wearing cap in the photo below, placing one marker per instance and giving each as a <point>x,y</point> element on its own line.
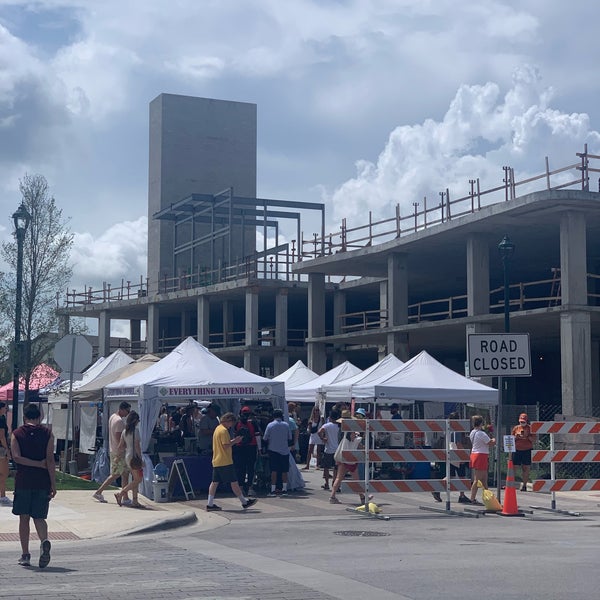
<point>361,413</point>
<point>244,453</point>
<point>523,445</point>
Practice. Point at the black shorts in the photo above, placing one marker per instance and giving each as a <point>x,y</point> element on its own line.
<point>522,457</point>
<point>34,503</point>
<point>328,461</point>
<point>280,463</point>
<point>459,471</point>
<point>224,474</point>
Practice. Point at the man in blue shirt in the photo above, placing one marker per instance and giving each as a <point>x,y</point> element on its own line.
<point>279,439</point>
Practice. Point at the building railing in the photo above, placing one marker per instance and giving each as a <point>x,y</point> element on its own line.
<point>446,209</point>
<point>276,263</point>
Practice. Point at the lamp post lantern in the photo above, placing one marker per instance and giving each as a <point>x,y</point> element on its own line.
<point>506,249</point>
<point>21,219</point>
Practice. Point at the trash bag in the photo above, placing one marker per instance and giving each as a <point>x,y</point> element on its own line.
<point>489,500</point>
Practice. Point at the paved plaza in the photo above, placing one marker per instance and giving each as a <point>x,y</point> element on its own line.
<point>301,547</point>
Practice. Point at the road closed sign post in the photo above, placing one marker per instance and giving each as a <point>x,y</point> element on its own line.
<point>499,355</point>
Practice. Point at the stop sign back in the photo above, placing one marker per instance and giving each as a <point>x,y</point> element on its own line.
<point>75,347</point>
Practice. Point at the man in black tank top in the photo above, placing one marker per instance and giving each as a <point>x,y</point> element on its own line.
<point>32,447</point>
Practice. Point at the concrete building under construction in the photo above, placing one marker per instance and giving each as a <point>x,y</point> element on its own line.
<point>414,281</point>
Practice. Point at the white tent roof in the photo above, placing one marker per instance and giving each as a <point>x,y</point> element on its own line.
<point>191,371</point>
<point>296,375</point>
<point>424,378</point>
<point>307,392</point>
<point>92,391</point>
<point>362,384</point>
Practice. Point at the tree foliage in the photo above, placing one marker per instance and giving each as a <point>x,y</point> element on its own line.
<point>46,272</point>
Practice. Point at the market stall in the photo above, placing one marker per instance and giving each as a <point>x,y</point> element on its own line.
<point>191,372</point>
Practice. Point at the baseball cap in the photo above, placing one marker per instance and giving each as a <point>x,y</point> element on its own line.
<point>246,409</point>
<point>523,417</point>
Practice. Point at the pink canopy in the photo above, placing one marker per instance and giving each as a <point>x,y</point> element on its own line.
<point>41,376</point>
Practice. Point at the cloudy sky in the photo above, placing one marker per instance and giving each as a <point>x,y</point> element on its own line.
<point>361,103</point>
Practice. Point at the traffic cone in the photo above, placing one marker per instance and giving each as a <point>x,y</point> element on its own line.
<point>510,507</point>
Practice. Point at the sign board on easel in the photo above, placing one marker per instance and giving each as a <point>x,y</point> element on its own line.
<point>179,472</point>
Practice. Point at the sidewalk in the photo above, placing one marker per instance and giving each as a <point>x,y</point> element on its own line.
<point>76,515</point>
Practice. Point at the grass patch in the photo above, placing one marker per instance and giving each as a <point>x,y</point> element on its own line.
<point>64,482</point>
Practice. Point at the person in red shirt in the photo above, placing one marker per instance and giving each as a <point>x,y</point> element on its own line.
<point>523,446</point>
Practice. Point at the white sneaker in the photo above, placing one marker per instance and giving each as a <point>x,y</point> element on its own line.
<point>99,497</point>
<point>4,501</point>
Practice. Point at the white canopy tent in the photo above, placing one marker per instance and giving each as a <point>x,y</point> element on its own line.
<point>89,396</point>
<point>104,365</point>
<point>192,372</point>
<point>423,378</point>
<point>296,375</point>
<point>361,385</point>
<point>307,392</point>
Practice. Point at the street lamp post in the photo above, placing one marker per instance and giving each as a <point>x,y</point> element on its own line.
<point>506,249</point>
<point>21,220</point>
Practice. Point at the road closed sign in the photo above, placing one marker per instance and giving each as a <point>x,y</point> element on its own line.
<point>499,355</point>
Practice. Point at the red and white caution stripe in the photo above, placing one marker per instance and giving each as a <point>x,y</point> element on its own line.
<point>408,485</point>
<point>399,455</point>
<point>565,456</point>
<point>565,427</point>
<point>566,485</point>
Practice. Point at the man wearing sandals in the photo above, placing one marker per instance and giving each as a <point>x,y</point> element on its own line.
<point>32,448</point>
<point>118,466</point>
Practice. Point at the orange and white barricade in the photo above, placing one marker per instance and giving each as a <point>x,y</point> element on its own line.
<point>370,455</point>
<point>554,456</point>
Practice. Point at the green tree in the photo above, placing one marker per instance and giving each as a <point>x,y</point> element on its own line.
<point>46,272</point>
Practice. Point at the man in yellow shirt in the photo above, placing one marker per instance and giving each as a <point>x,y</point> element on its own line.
<point>222,462</point>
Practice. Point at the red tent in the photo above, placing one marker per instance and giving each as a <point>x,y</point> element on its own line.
<point>41,376</point>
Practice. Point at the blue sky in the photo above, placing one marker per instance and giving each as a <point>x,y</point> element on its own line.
<point>361,104</point>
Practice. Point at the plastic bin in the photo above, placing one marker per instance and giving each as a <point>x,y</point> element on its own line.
<point>160,491</point>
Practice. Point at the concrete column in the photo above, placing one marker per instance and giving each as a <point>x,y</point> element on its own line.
<point>478,276</point>
<point>135,335</point>
<point>339,309</point>
<point>64,326</point>
<point>103,333</point>
<point>317,359</point>
<point>383,305</point>
<point>251,336</point>
<point>575,362</point>
<point>186,324</point>
<point>281,363</point>
<point>573,259</point>
<point>251,361</point>
<point>152,332</point>
<point>397,305</point>
<point>227,321</point>
<point>281,318</point>
<point>203,320</point>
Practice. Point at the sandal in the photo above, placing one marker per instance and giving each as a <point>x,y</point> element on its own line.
<point>334,500</point>
<point>119,499</point>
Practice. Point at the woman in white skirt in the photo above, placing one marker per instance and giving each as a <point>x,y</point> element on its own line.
<point>314,423</point>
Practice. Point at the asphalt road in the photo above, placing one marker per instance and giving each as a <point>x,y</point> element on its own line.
<point>300,551</point>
